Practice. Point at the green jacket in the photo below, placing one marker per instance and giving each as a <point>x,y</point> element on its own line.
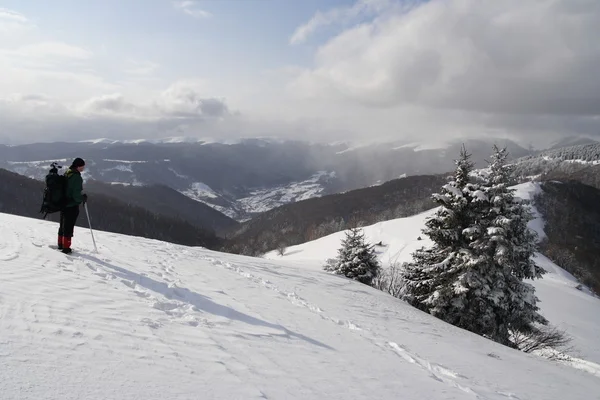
<point>74,188</point>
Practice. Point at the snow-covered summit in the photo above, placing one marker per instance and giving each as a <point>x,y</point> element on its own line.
<point>183,139</point>
<point>144,319</point>
<point>165,140</point>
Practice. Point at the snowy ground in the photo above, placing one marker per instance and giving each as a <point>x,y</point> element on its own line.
<point>144,319</point>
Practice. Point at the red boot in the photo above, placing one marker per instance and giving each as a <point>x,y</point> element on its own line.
<point>66,245</point>
<point>60,242</point>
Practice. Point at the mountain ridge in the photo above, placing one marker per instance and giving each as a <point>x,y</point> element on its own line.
<point>246,177</point>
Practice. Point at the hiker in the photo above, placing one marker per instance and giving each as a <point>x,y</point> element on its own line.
<point>74,197</point>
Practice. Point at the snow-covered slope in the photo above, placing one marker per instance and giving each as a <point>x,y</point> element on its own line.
<point>143,319</point>
<point>261,200</point>
<point>570,309</point>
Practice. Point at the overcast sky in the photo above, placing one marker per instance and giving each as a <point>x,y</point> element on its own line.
<point>311,69</point>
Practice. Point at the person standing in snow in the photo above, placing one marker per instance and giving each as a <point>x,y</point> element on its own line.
<point>74,197</point>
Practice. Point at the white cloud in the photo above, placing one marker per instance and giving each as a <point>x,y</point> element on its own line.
<point>111,103</point>
<point>9,15</point>
<point>44,50</point>
<point>34,62</point>
<point>36,103</point>
<point>178,110</point>
<point>182,100</point>
<point>191,8</point>
<point>69,85</point>
<point>513,56</point>
<point>338,15</point>
<point>53,67</point>
<point>140,68</point>
<point>11,20</point>
<point>397,69</point>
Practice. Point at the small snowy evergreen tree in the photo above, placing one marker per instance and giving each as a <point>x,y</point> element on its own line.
<point>356,259</point>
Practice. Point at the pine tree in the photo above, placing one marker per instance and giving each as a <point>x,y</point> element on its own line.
<point>472,276</point>
<point>356,259</point>
<point>444,279</point>
<point>511,245</point>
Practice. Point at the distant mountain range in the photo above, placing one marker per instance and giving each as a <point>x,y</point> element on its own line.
<point>246,177</point>
<point>296,213</point>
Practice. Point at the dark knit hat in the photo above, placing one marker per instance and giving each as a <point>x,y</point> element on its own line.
<point>78,162</point>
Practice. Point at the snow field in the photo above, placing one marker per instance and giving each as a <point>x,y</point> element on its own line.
<point>144,319</point>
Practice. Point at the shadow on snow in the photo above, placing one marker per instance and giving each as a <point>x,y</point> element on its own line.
<point>197,300</point>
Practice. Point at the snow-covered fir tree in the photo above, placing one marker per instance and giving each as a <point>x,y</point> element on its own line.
<point>356,259</point>
<point>439,278</point>
<point>511,245</point>
<point>471,277</point>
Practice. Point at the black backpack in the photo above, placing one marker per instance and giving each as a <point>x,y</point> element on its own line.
<point>55,198</point>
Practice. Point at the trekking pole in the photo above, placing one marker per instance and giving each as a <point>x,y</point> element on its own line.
<point>90,224</point>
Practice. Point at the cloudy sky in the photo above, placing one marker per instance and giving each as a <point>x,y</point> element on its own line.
<point>313,69</point>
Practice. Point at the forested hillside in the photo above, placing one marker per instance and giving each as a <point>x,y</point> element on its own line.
<point>20,195</point>
<point>314,218</point>
<point>161,199</point>
<point>572,214</point>
<point>580,163</point>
